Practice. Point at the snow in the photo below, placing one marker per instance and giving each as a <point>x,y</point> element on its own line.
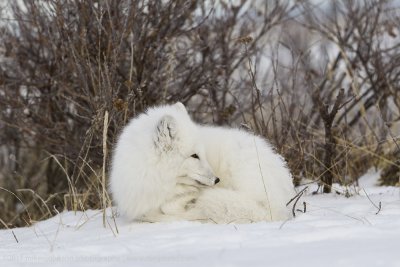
<point>334,231</point>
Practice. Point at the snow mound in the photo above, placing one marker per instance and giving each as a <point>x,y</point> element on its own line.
<point>334,231</point>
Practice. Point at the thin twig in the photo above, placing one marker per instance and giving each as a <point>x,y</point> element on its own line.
<point>262,178</point>
<point>104,166</point>
<point>6,226</point>
<point>14,236</point>
<point>297,197</point>
<point>379,206</point>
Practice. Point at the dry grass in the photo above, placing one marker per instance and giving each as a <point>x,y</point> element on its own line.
<point>65,65</point>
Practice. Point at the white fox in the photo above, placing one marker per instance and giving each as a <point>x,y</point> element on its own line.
<point>166,167</point>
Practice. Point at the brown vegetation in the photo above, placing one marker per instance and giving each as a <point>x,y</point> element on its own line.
<point>275,66</point>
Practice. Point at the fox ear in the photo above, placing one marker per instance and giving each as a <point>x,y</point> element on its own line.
<point>180,106</point>
<point>166,133</point>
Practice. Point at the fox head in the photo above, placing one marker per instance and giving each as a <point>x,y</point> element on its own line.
<point>176,138</point>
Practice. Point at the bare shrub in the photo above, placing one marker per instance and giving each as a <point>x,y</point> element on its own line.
<point>65,64</point>
<point>274,66</point>
<point>341,44</point>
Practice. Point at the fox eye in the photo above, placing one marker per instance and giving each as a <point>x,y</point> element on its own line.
<point>195,156</point>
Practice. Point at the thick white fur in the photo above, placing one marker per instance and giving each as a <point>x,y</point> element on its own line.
<point>255,182</point>
<point>154,177</point>
<point>152,154</point>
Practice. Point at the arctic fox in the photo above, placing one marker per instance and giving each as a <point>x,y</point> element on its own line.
<point>154,151</point>
<point>166,167</point>
<point>255,182</point>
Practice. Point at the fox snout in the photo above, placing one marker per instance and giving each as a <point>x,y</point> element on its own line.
<point>208,182</point>
<point>214,182</point>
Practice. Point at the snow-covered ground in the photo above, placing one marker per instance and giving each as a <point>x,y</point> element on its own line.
<point>334,231</point>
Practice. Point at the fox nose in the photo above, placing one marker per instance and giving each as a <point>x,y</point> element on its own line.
<point>217,180</point>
